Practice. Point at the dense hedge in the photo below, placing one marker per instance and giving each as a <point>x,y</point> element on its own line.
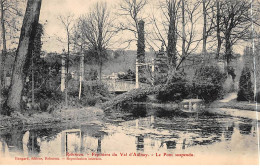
<point>258,97</point>
<point>130,75</point>
<point>208,83</point>
<point>245,92</point>
<point>93,92</point>
<point>177,89</point>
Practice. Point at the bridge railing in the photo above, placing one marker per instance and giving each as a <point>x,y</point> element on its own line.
<point>116,85</point>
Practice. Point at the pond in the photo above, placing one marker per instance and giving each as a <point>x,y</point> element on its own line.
<point>136,129</point>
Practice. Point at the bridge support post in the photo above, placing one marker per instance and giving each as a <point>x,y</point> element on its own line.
<point>63,73</point>
<point>81,74</point>
<point>136,74</point>
<point>153,75</point>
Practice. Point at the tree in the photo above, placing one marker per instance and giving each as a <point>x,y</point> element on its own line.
<point>189,16</point>
<point>141,43</point>
<point>9,10</point>
<point>132,11</point>
<point>218,29</point>
<point>207,26</point>
<point>234,23</point>
<point>245,92</point>
<point>208,83</point>
<point>67,22</point>
<point>97,31</point>
<point>165,29</point>
<point>10,18</point>
<point>173,6</point>
<point>27,35</point>
<point>34,63</point>
<point>177,24</point>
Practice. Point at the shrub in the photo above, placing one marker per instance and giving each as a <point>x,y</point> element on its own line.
<point>92,74</point>
<point>93,92</point>
<point>48,98</point>
<point>176,89</point>
<point>208,83</point>
<point>258,97</point>
<point>245,92</point>
<point>129,76</point>
<point>160,78</point>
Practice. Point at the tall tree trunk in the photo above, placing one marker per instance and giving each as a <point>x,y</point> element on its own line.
<point>100,70</point>
<point>171,49</point>
<point>228,47</point>
<point>1,96</point>
<point>32,67</point>
<point>141,42</point>
<point>4,50</point>
<point>100,63</point>
<point>28,32</point>
<point>2,79</point>
<point>81,72</point>
<point>183,31</point>
<point>67,67</point>
<point>218,31</point>
<point>204,49</point>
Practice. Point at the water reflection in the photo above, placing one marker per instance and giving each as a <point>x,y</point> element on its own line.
<point>140,143</point>
<point>13,142</point>
<point>170,144</point>
<point>33,145</point>
<point>228,130</point>
<point>245,128</point>
<point>140,129</point>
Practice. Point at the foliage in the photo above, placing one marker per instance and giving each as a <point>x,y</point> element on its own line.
<point>46,81</point>
<point>43,74</point>
<point>160,78</point>
<point>231,71</point>
<point>129,76</point>
<point>245,92</point>
<point>141,42</point>
<point>92,74</point>
<point>258,97</point>
<point>208,83</point>
<point>93,92</point>
<point>176,89</point>
<point>91,56</point>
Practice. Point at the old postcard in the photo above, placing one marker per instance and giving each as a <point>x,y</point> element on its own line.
<point>129,82</point>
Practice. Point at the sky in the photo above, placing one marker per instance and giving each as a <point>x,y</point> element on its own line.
<point>53,29</point>
<point>52,9</point>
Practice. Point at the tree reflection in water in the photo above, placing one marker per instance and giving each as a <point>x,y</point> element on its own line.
<point>14,141</point>
<point>140,143</point>
<point>33,146</point>
<point>140,129</point>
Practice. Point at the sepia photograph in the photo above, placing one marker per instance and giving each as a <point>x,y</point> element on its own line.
<point>129,82</point>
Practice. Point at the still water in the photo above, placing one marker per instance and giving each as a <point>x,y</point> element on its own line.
<point>136,128</point>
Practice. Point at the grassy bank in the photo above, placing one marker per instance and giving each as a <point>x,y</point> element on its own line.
<point>234,104</point>
<point>90,114</point>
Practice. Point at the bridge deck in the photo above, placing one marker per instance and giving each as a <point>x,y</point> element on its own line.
<point>120,85</point>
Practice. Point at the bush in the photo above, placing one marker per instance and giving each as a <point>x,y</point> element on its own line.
<point>129,76</point>
<point>48,97</point>
<point>92,74</point>
<point>245,92</point>
<point>160,78</point>
<point>177,89</point>
<point>208,83</point>
<point>94,92</point>
<point>258,97</point>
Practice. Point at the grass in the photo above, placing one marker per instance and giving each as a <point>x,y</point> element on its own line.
<point>88,114</point>
<point>234,104</point>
